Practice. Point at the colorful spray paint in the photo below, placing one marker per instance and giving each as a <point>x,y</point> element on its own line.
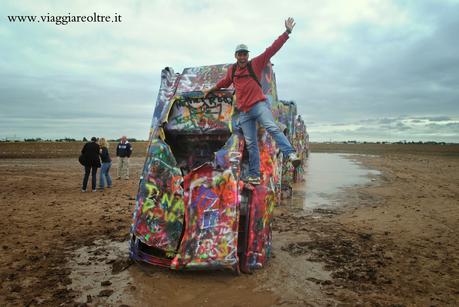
<point>192,209</point>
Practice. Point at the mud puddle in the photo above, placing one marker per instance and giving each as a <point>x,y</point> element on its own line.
<point>326,176</point>
<point>102,275</point>
<point>98,273</point>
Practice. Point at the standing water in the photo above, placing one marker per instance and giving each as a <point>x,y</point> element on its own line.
<point>326,174</point>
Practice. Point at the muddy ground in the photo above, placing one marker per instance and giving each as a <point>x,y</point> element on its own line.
<point>392,242</point>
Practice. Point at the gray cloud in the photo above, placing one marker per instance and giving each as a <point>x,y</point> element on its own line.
<point>387,71</point>
<point>433,118</point>
<point>380,70</point>
<point>388,129</point>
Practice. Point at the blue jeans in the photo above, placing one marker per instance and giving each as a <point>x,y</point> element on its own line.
<point>262,114</point>
<point>104,175</point>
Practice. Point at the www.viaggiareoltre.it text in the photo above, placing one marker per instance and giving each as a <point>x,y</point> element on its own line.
<point>65,19</point>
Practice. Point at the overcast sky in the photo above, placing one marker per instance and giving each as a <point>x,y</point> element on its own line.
<point>358,70</point>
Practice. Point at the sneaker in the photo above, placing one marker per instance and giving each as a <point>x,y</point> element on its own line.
<point>83,190</point>
<point>293,158</point>
<point>253,180</point>
<point>94,190</point>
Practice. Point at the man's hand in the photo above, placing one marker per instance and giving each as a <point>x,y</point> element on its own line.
<point>208,91</point>
<point>289,24</point>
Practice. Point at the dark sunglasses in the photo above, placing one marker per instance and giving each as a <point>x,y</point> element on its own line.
<point>243,53</point>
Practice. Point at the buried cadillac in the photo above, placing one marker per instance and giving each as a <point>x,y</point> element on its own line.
<point>193,211</point>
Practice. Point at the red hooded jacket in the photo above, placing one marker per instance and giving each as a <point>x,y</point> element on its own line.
<point>248,93</point>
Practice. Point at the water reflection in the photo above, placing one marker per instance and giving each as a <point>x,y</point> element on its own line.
<point>326,174</point>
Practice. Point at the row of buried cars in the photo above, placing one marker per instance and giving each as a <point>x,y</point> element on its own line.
<point>193,211</point>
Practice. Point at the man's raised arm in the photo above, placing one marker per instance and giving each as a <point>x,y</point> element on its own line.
<point>261,60</point>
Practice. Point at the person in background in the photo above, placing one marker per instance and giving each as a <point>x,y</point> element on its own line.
<point>104,176</point>
<point>123,152</point>
<point>90,154</point>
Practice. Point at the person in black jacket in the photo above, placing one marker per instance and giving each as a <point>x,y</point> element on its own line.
<point>91,158</point>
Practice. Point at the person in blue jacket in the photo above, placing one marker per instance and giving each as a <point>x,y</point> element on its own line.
<point>123,152</point>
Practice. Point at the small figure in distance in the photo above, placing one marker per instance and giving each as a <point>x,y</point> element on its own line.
<point>123,152</point>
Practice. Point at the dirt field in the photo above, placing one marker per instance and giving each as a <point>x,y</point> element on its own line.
<point>46,150</point>
<point>392,243</point>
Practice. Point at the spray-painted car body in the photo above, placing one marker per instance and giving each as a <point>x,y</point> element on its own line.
<point>294,128</point>
<point>192,209</point>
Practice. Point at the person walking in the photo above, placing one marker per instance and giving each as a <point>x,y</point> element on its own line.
<point>104,176</point>
<point>123,152</point>
<point>253,104</point>
<point>91,159</point>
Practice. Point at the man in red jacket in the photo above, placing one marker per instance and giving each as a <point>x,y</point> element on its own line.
<point>253,104</point>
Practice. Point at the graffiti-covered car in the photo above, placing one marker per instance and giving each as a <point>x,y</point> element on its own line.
<point>192,210</point>
<point>293,126</point>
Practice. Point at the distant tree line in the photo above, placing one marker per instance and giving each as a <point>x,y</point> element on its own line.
<point>6,140</point>
<point>49,140</point>
<point>398,142</point>
<point>132,140</point>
